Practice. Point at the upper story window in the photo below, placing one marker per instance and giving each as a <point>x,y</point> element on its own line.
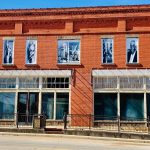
<point>31,52</point>
<point>69,51</point>
<point>55,82</point>
<point>8,51</point>
<point>107,51</point>
<point>132,50</point>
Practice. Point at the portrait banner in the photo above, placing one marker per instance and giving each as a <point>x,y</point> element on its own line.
<point>8,51</point>
<point>132,50</point>
<point>31,52</point>
<point>107,50</point>
<point>68,51</point>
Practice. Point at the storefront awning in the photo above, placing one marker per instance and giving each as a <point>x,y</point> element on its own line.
<point>121,72</point>
<point>35,73</point>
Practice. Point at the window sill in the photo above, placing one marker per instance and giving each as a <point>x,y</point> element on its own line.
<point>133,64</point>
<point>132,121</point>
<point>31,64</point>
<point>6,120</point>
<point>105,121</point>
<point>34,66</point>
<point>107,64</point>
<point>71,64</point>
<point>8,65</point>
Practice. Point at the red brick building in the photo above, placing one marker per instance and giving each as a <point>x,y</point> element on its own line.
<point>75,60</point>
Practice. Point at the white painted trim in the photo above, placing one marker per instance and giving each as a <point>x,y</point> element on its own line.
<point>31,38</point>
<point>68,37</point>
<point>132,35</point>
<point>118,104</point>
<point>35,73</point>
<point>8,38</point>
<point>40,103</point>
<point>121,72</point>
<point>145,105</point>
<point>70,96</point>
<point>107,36</point>
<point>54,117</point>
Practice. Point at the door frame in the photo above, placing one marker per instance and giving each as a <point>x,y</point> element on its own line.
<point>27,118</point>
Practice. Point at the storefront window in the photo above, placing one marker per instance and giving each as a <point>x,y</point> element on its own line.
<point>48,105</point>
<point>105,106</point>
<point>132,106</point>
<point>62,104</point>
<point>7,105</point>
<point>148,104</point>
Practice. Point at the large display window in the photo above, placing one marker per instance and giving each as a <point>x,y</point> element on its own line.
<point>132,106</point>
<point>105,106</point>
<point>7,105</point>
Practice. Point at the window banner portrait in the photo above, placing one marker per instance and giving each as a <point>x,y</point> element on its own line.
<point>68,51</point>
<point>132,50</point>
<point>107,50</point>
<point>8,51</point>
<point>31,51</point>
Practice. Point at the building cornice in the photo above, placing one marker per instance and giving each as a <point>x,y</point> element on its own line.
<point>76,11</point>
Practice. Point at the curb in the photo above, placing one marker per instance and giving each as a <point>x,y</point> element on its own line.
<point>76,137</point>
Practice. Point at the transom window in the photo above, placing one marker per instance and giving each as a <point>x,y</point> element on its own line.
<point>148,82</point>
<point>131,82</point>
<point>123,82</point>
<point>32,82</point>
<point>105,82</point>
<point>55,82</point>
<point>7,82</point>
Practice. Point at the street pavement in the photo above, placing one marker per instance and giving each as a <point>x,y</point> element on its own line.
<point>57,142</point>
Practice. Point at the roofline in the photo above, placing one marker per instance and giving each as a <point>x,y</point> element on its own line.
<point>89,7</point>
<point>86,7</point>
<point>123,9</point>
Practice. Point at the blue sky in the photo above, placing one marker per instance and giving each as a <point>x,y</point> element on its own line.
<point>16,4</point>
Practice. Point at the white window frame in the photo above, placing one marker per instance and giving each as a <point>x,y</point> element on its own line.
<point>36,49</point>
<point>8,39</point>
<point>69,62</point>
<point>134,37</point>
<point>111,38</point>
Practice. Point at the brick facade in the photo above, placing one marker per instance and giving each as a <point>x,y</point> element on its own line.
<point>91,24</point>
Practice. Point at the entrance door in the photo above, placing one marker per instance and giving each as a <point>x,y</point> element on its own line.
<point>27,107</point>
